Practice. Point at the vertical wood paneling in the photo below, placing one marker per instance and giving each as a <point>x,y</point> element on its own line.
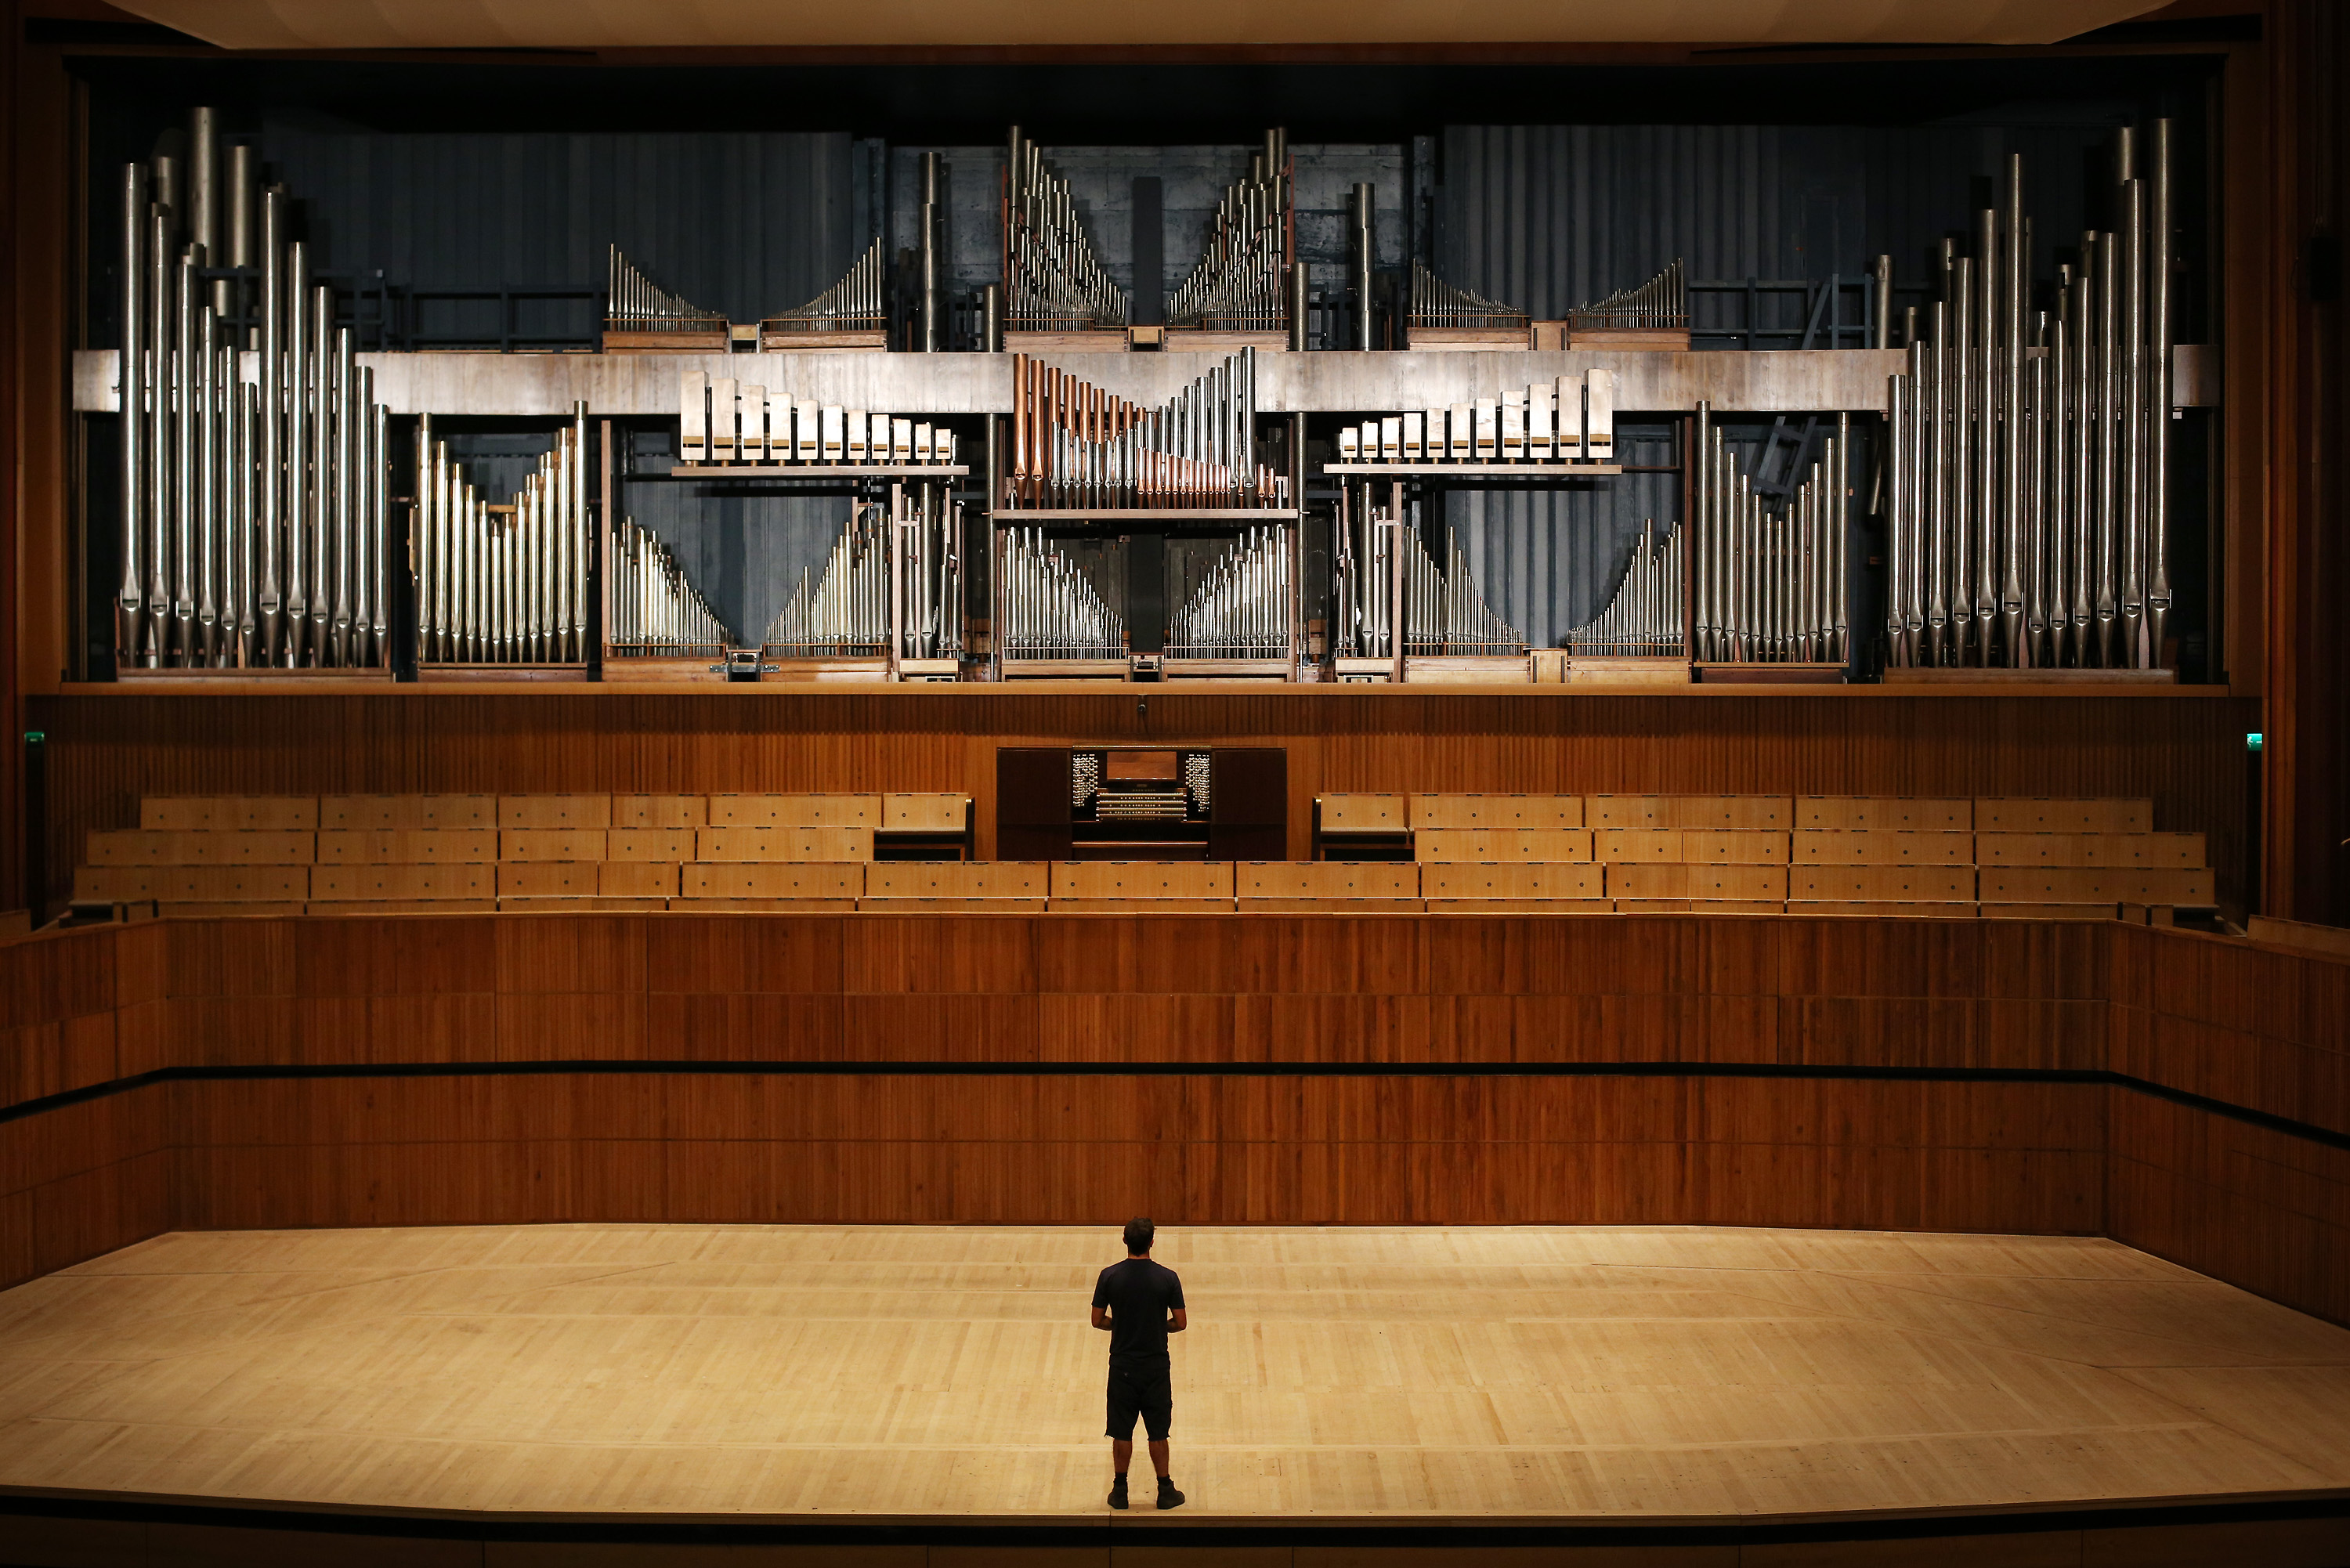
<point>2257,1027</point>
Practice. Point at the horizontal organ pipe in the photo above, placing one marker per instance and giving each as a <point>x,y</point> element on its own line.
<point>2029,518</point>
<point>235,471</point>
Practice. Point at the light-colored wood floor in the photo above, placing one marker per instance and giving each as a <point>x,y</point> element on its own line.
<point>1386,1374</point>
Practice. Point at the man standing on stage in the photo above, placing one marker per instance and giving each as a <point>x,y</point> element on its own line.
<point>1141,1305</point>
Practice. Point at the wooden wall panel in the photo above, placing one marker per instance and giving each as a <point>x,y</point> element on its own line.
<point>2257,1208</point>
<point>2182,749</point>
<point>1052,1149</point>
<point>1347,1140</point>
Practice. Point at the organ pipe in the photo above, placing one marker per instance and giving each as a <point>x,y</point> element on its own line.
<point>2028,450</point>
<point>230,484</point>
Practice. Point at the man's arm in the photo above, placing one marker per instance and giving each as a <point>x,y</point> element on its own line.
<point>1175,1319</point>
<point>1101,1317</point>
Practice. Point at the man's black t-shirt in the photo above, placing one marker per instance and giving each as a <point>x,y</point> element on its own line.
<point>1140,1294</point>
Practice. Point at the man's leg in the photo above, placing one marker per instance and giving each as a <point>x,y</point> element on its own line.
<point>1158,1457</point>
<point>1121,1454</point>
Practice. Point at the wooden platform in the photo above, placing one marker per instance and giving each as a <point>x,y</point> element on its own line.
<point>1379,1378</point>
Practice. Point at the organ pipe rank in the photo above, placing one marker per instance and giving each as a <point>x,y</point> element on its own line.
<point>254,513</point>
<point>1659,304</point>
<point>503,585</point>
<point>1770,586</point>
<point>1643,620</point>
<point>1239,283</point>
<point>1571,420</point>
<point>1052,283</point>
<point>1047,607</point>
<point>655,611</point>
<point>1242,607</point>
<point>855,304</point>
<point>722,421</point>
<point>1440,611</point>
<point>2030,497</point>
<point>1076,445</point>
<point>870,596</point>
<point>1436,305</point>
<point>635,304</point>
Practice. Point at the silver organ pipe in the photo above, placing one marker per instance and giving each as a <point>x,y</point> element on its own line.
<point>856,303</point>
<point>131,598</point>
<point>501,583</point>
<point>843,610</point>
<point>656,611</point>
<point>1052,279</point>
<point>1048,608</point>
<point>1661,304</point>
<point>2028,521</point>
<point>1435,304</point>
<point>930,567</point>
<point>1239,282</point>
<point>1773,584</point>
<point>1643,619</point>
<point>1443,611</point>
<point>228,483</point>
<point>1076,445</point>
<point>634,304</point>
<point>1242,607</point>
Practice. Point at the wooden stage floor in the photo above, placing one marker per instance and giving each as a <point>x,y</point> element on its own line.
<point>1386,1377</point>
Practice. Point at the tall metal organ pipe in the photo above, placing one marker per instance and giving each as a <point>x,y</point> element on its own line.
<point>227,482</point>
<point>2028,507</point>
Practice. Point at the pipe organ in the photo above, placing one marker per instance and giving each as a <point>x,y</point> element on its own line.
<point>255,516</point>
<point>271,510</point>
<point>1772,586</point>
<point>2029,505</point>
<point>1643,619</point>
<point>1241,283</point>
<point>655,611</point>
<point>1076,445</point>
<point>502,584</point>
<point>890,587</point>
<point>1052,282</point>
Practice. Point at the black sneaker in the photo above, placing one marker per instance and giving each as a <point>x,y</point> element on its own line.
<point>1167,1496</point>
<point>1117,1492</point>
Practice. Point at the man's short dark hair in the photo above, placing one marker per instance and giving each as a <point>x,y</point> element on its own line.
<point>1138,1233</point>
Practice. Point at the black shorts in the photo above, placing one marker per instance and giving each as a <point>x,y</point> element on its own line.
<point>1145,1391</point>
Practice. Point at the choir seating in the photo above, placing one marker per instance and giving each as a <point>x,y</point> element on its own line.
<point>1436,853</point>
